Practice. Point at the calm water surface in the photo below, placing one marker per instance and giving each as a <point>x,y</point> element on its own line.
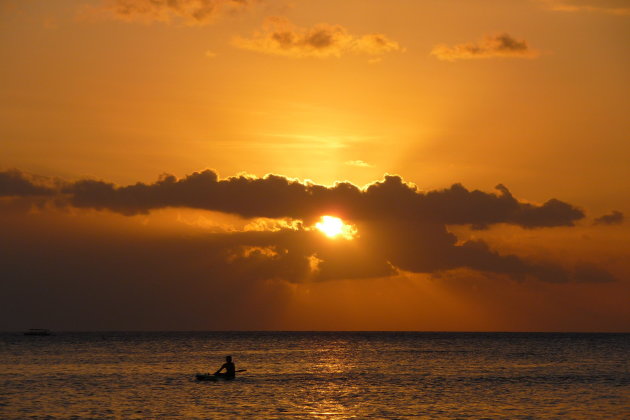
<point>316,375</point>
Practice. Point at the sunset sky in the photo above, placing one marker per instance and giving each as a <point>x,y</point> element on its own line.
<point>164,164</point>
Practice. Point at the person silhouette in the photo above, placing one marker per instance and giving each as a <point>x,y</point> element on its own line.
<point>230,369</point>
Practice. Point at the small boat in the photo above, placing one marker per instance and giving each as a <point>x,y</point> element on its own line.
<point>38,331</point>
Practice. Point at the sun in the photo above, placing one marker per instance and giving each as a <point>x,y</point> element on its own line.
<point>334,227</point>
<point>330,226</point>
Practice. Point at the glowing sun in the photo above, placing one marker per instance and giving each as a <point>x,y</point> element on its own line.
<point>333,227</point>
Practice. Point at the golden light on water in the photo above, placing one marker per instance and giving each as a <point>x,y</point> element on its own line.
<point>334,227</point>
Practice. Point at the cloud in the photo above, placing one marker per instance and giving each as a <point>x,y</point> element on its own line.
<point>281,37</point>
<point>589,273</point>
<point>14,183</point>
<point>276,196</point>
<point>615,7</point>
<point>191,12</point>
<point>358,163</point>
<point>62,270</point>
<point>491,46</point>
<point>399,227</point>
<point>613,218</point>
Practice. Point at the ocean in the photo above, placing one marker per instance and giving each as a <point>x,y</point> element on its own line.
<point>331,375</point>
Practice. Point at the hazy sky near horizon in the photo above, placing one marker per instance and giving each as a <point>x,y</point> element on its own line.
<point>477,150</point>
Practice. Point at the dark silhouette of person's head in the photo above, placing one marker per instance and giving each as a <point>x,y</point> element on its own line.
<point>228,359</point>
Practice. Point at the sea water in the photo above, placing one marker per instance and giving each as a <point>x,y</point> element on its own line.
<point>333,375</point>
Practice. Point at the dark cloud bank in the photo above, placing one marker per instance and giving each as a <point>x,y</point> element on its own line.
<point>400,228</point>
<point>278,197</point>
<point>14,183</point>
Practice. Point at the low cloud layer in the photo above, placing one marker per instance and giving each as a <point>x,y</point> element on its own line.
<point>191,12</point>
<point>281,37</point>
<point>613,218</point>
<point>491,46</point>
<point>276,196</point>
<point>400,227</point>
<point>74,251</point>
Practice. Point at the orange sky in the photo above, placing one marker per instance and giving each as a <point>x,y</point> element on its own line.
<point>530,94</point>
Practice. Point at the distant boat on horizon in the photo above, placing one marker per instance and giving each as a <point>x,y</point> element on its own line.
<point>37,331</point>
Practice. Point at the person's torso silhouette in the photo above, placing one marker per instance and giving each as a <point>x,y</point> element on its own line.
<point>230,368</point>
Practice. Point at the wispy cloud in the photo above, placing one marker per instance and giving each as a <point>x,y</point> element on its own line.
<point>615,7</point>
<point>359,163</point>
<point>491,46</point>
<point>281,37</point>
<point>190,12</point>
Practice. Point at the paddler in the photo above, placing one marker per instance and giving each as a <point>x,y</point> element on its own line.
<point>230,369</point>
